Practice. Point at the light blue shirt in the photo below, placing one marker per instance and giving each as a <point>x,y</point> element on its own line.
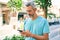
<point>39,26</point>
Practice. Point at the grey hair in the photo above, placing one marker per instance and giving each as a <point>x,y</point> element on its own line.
<point>31,4</point>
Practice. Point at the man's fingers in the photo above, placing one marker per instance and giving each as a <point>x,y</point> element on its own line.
<point>23,33</point>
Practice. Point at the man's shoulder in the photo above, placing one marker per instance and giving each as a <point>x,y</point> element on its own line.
<point>27,20</point>
<point>42,18</point>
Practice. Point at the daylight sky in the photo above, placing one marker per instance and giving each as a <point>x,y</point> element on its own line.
<point>54,2</point>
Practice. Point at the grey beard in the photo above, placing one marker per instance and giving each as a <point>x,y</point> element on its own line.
<point>31,15</point>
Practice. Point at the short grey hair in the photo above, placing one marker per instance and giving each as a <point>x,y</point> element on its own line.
<point>31,4</point>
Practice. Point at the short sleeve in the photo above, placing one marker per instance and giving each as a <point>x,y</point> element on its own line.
<point>46,27</point>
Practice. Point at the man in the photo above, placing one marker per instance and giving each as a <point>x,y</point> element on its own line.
<point>36,27</point>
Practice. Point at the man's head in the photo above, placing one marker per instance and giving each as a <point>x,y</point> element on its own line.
<point>31,9</point>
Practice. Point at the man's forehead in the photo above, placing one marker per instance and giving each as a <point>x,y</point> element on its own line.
<point>29,7</point>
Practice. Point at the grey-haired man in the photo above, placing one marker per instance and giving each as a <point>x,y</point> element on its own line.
<point>36,27</point>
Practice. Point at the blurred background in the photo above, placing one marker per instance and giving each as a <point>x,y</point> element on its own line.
<point>13,14</point>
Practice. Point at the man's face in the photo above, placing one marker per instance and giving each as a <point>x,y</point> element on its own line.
<point>30,11</point>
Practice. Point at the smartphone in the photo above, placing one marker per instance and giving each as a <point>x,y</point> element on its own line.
<point>20,30</point>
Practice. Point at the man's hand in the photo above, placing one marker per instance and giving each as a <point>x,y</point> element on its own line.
<point>37,37</point>
<point>26,33</point>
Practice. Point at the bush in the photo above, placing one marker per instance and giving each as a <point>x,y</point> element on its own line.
<point>14,38</point>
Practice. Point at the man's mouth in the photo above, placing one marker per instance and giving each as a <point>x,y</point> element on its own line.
<point>31,15</point>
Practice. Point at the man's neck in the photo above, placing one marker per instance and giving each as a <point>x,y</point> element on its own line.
<point>34,17</point>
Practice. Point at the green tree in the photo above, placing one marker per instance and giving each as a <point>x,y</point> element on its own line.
<point>44,4</point>
<point>15,3</point>
<point>51,14</point>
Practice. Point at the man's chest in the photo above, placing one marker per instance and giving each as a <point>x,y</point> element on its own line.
<point>34,27</point>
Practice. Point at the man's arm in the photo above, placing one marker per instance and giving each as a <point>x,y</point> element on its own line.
<point>37,37</point>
